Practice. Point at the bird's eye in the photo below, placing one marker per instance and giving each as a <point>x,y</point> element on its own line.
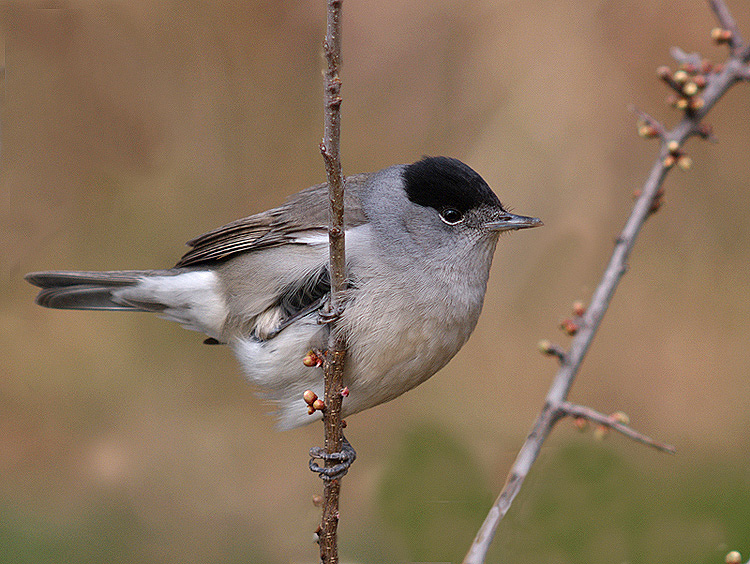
<point>451,216</point>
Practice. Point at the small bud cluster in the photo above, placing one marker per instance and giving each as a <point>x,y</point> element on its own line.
<point>570,326</point>
<point>647,130</point>
<point>314,403</point>
<point>721,36</point>
<point>313,359</point>
<point>676,156</point>
<point>687,82</point>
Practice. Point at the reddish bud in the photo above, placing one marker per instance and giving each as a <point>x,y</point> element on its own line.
<point>684,162</point>
<point>721,35</point>
<point>310,410</point>
<point>696,103</point>
<point>581,423</point>
<point>620,417</point>
<point>318,405</point>
<point>312,359</point>
<point>601,432</point>
<point>647,131</point>
<point>569,326</point>
<point>663,72</point>
<point>579,308</point>
<point>345,392</point>
<point>657,201</point>
<point>689,68</point>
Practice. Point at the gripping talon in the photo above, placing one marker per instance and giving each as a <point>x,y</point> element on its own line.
<point>343,458</point>
<point>326,314</point>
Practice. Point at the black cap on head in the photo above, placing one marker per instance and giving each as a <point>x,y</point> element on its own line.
<point>440,182</point>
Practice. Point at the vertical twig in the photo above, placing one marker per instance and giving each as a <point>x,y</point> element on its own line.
<point>334,362</point>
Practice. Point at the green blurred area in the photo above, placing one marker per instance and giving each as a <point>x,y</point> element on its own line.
<point>130,127</point>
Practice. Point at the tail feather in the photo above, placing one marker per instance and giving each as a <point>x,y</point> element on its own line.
<point>90,290</point>
<point>188,296</point>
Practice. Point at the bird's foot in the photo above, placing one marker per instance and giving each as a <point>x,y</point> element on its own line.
<point>343,459</point>
<point>328,314</point>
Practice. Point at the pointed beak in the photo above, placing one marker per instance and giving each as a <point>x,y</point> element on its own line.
<point>510,222</point>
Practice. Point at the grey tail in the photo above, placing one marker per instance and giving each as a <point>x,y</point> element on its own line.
<point>88,290</point>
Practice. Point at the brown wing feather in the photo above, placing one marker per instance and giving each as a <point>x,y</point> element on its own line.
<point>304,212</point>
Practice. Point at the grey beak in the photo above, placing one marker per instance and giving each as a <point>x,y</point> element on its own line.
<point>511,222</point>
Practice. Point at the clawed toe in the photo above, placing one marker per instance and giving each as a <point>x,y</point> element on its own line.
<point>343,459</point>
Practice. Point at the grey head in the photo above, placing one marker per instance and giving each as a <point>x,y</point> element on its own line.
<point>437,208</point>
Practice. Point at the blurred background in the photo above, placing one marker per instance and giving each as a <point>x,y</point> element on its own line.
<point>131,127</point>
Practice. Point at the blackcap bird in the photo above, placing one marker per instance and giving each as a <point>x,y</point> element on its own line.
<point>419,244</point>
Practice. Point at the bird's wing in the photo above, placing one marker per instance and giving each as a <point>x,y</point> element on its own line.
<point>305,212</point>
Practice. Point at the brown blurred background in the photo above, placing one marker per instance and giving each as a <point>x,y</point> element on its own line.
<point>130,127</point>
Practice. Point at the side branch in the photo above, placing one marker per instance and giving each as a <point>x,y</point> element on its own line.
<point>695,104</point>
<point>611,422</point>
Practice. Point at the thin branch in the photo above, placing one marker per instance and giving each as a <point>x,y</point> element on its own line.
<point>334,359</point>
<point>556,402</point>
<point>575,410</point>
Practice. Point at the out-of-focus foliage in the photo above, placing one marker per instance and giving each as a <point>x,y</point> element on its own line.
<point>129,128</point>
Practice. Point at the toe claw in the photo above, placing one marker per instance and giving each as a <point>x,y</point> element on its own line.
<point>343,458</point>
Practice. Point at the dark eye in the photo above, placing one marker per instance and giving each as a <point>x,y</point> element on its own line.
<point>451,216</point>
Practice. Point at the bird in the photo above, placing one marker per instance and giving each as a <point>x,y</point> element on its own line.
<point>420,239</point>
